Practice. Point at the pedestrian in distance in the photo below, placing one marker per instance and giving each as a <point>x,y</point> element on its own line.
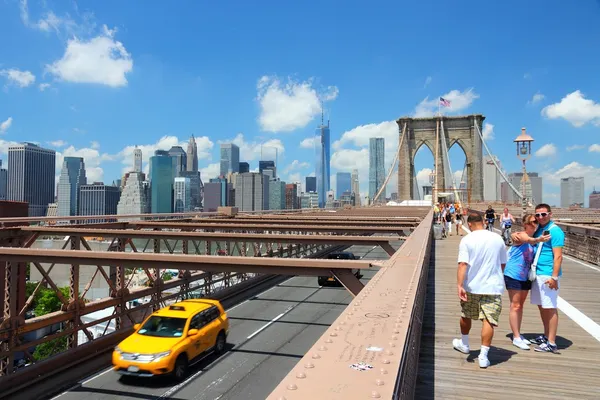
<point>516,273</point>
<point>481,261</point>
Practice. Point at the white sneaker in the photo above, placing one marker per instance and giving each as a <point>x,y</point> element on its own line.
<point>484,362</point>
<point>521,343</point>
<point>459,346</point>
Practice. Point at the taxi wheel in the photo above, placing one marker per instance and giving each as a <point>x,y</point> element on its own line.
<point>220,343</point>
<point>180,370</point>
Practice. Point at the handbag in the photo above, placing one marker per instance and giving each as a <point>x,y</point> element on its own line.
<point>532,275</point>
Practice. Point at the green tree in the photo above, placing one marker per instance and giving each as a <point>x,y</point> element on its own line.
<point>48,349</point>
<point>166,277</point>
<point>49,302</point>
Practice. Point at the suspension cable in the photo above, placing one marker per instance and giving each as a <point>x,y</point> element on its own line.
<point>447,159</point>
<point>382,188</point>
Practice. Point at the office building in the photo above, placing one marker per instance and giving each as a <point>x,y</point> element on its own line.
<point>309,200</point>
<point>492,179</point>
<point>137,160</point>
<point>179,160</point>
<point>217,193</point>
<point>376,167</point>
<point>276,195</point>
<point>72,177</point>
<point>3,181</point>
<point>323,158</point>
<point>355,189</point>
<point>572,192</point>
<point>244,167</point>
<point>291,196</point>
<point>182,195</point>
<point>343,183</point>
<point>192,155</point>
<point>196,188</point>
<point>311,184</point>
<point>161,183</point>
<point>230,159</point>
<point>252,192</point>
<point>533,188</point>
<point>98,199</point>
<point>31,170</point>
<point>135,195</point>
<point>267,168</point>
<point>347,199</point>
<point>594,200</point>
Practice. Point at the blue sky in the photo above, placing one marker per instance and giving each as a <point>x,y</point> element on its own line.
<point>95,78</point>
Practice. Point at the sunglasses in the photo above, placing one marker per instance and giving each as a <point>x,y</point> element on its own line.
<point>542,214</point>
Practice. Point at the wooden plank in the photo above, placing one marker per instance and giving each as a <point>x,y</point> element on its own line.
<point>445,373</point>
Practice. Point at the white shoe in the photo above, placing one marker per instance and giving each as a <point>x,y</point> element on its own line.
<point>459,346</point>
<point>484,362</point>
<point>521,343</point>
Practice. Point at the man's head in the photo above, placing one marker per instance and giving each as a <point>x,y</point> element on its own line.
<point>475,221</point>
<point>543,213</point>
<point>489,207</point>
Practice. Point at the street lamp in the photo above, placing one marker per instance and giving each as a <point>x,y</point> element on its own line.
<point>523,142</point>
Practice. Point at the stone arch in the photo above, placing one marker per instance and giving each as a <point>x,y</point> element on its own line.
<point>420,131</point>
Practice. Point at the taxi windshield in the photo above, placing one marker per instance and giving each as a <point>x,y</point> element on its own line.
<point>163,327</point>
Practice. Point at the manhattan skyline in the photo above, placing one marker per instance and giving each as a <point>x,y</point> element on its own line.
<point>154,94</point>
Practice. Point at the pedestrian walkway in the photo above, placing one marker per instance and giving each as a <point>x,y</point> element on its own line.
<point>445,373</point>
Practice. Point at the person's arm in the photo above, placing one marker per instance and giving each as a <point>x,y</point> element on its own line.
<point>519,238</point>
<point>463,261</point>
<point>512,218</point>
<point>557,252</point>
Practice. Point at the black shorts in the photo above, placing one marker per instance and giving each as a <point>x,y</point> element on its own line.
<point>513,284</point>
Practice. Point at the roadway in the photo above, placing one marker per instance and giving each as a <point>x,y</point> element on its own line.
<point>269,333</point>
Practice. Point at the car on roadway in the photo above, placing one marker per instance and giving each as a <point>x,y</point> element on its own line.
<point>339,255</point>
<point>172,339</point>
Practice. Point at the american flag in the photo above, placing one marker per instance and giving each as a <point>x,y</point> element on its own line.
<point>444,102</point>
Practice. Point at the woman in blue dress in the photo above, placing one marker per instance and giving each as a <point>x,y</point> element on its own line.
<point>516,271</point>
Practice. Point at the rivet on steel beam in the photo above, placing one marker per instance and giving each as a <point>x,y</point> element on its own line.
<point>322,348</point>
<point>392,344</point>
<point>316,356</point>
<point>328,341</point>
<point>342,322</point>
<point>292,386</point>
<point>309,365</point>
<point>300,375</point>
<point>397,325</point>
<point>375,395</point>
<point>333,334</point>
<point>383,371</point>
<point>389,353</point>
<point>281,398</point>
<point>337,328</point>
<point>394,337</point>
<point>396,331</point>
<point>386,361</point>
<point>379,382</point>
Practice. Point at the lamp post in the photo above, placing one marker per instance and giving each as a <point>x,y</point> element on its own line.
<point>523,142</point>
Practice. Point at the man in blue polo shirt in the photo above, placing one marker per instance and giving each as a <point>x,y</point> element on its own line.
<point>544,290</point>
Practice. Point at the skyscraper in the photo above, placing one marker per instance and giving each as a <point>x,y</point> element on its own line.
<point>31,176</point>
<point>311,184</point>
<point>267,168</point>
<point>179,160</point>
<point>535,183</point>
<point>72,176</point>
<point>192,155</point>
<point>134,197</point>
<point>230,158</point>
<point>252,192</point>
<point>98,199</point>
<point>594,199</point>
<point>161,182</point>
<point>137,160</point>
<point>323,161</point>
<point>376,167</point>
<point>3,181</point>
<point>196,188</point>
<point>276,194</point>
<point>356,187</point>
<point>343,183</point>
<point>492,180</point>
<point>571,192</point>
<point>182,195</point>
<point>244,167</point>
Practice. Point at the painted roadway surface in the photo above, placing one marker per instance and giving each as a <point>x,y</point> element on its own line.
<point>269,333</point>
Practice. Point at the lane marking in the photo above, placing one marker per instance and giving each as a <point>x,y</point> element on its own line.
<point>177,387</point>
<point>96,376</point>
<point>581,262</point>
<point>580,318</point>
<point>265,326</point>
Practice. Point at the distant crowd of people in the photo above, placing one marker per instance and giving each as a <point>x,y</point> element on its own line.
<point>486,268</point>
<point>449,214</point>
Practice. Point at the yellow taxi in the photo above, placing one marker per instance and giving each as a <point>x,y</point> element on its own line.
<point>173,338</point>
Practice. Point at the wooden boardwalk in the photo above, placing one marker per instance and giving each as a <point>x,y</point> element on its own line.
<point>445,373</point>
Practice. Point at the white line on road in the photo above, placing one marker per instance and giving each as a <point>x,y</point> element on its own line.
<point>580,318</point>
<point>581,262</point>
<point>265,326</point>
<point>96,376</point>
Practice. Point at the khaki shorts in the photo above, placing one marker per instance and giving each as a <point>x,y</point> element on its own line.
<point>482,306</point>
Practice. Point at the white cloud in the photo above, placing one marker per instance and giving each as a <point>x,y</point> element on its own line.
<point>251,150</point>
<point>101,60</point>
<point>488,131</point>
<point>361,135</point>
<point>547,150</point>
<point>575,147</point>
<point>203,143</point>
<point>285,107</point>
<point>574,108</point>
<point>5,144</point>
<point>308,143</point>
<point>94,145</point>
<point>17,77</point>
<point>423,179</point>
<point>459,101</point>
<point>58,143</point>
<point>595,148</point>
<point>210,171</point>
<point>44,86</point>
<point>427,81</point>
<point>590,174</point>
<point>52,22</point>
<point>295,165</point>
<point>536,98</point>
<point>5,125</point>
